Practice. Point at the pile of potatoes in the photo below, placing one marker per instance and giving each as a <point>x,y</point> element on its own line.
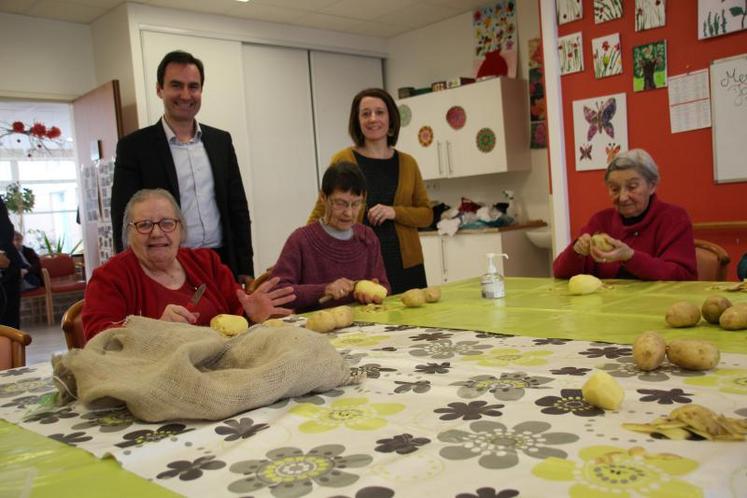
<point>324,321</point>
<point>418,297</point>
<point>649,350</point>
<point>716,310</point>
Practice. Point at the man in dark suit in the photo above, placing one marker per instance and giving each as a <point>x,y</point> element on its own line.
<point>195,162</point>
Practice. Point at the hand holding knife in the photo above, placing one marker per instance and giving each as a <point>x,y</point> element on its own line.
<point>192,304</point>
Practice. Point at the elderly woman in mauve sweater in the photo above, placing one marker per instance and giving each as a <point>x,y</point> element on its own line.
<point>325,258</point>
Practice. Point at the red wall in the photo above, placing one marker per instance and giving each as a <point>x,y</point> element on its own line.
<point>685,159</point>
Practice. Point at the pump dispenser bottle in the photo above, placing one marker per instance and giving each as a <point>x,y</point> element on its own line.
<point>492,281</point>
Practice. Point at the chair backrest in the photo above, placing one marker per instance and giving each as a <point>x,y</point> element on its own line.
<point>259,280</point>
<point>60,265</point>
<point>13,344</point>
<point>712,260</point>
<point>72,325</point>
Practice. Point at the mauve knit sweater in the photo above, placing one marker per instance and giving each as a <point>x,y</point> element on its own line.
<point>311,259</point>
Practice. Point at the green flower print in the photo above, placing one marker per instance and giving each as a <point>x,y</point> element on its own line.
<point>357,340</point>
<point>107,421</point>
<point>728,380</point>
<point>353,413</point>
<point>510,387</point>
<point>33,385</point>
<point>289,473</point>
<point>503,357</point>
<point>444,349</point>
<point>607,471</point>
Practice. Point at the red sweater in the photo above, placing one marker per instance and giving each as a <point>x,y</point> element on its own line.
<point>662,241</point>
<point>311,259</point>
<point>121,288</point>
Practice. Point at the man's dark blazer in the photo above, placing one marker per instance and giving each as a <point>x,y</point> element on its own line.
<point>144,160</point>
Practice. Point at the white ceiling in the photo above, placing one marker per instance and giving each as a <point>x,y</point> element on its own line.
<point>383,18</point>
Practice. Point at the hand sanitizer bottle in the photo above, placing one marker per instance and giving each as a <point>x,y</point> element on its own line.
<point>492,281</point>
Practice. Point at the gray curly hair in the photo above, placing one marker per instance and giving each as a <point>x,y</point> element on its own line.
<point>144,195</point>
<point>637,159</point>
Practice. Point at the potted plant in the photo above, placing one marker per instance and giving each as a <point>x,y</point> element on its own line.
<point>18,201</point>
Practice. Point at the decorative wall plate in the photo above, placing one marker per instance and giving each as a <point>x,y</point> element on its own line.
<point>405,115</point>
<point>485,140</point>
<point>456,117</point>
<point>425,136</point>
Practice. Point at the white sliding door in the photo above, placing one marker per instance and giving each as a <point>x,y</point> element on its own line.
<point>281,145</point>
<point>335,79</point>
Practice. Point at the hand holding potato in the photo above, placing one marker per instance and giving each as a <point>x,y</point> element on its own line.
<point>339,288</point>
<point>369,291</point>
<point>583,245</point>
<point>620,251</point>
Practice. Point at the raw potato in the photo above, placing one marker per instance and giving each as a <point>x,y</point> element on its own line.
<point>712,308</point>
<point>693,354</point>
<point>583,284</point>
<point>229,325</point>
<point>734,318</point>
<point>432,294</point>
<point>371,288</point>
<point>413,298</point>
<point>601,242</point>
<point>343,316</point>
<point>322,321</point>
<point>649,350</point>
<point>603,391</point>
<point>683,314</point>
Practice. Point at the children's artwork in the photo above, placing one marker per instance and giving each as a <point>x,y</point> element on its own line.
<point>607,55</point>
<point>600,128</point>
<point>720,17</point>
<point>650,66</point>
<point>569,10</point>
<point>405,115</point>
<point>607,10</point>
<point>649,14</point>
<point>570,48</point>
<point>537,106</point>
<point>495,32</point>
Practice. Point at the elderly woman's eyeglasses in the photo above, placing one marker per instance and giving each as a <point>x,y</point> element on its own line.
<point>341,205</point>
<point>146,226</point>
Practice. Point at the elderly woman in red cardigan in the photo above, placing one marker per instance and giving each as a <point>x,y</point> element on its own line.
<point>649,239</point>
<point>327,257</point>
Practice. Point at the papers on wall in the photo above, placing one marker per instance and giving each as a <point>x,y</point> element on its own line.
<point>689,101</point>
<point>600,126</point>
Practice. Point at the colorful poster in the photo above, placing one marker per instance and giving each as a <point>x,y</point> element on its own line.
<point>600,128</point>
<point>537,105</point>
<point>570,51</point>
<point>650,66</point>
<point>607,56</point>
<point>650,14</point>
<point>721,17</point>
<point>607,10</point>
<point>569,10</point>
<point>495,31</point>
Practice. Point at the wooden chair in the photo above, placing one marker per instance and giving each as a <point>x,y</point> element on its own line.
<point>259,281</point>
<point>712,260</point>
<point>72,325</point>
<point>60,277</point>
<point>13,344</point>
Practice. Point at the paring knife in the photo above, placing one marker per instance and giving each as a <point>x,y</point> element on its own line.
<point>192,304</point>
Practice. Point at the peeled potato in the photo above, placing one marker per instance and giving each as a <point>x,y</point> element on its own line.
<point>712,308</point>
<point>649,350</point>
<point>432,294</point>
<point>603,391</point>
<point>343,316</point>
<point>413,298</point>
<point>583,284</point>
<point>601,242</point>
<point>322,321</point>
<point>274,322</point>
<point>371,288</point>
<point>683,314</point>
<point>229,325</point>
<point>734,318</point>
<point>693,354</point>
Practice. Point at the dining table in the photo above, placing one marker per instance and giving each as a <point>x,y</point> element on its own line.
<point>466,397</point>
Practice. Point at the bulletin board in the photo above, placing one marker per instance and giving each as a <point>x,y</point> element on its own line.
<point>729,117</point>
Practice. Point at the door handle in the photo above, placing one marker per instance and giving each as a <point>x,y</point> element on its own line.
<point>448,157</point>
<point>443,259</point>
<point>438,153</point>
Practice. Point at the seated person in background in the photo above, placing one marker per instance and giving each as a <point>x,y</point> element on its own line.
<point>30,265</point>
<point>650,240</point>
<point>325,258</point>
<point>156,278</point>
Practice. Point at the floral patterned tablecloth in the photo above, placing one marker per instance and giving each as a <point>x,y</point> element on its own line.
<point>442,413</point>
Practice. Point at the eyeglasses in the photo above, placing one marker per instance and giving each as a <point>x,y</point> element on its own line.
<point>341,205</point>
<point>145,227</point>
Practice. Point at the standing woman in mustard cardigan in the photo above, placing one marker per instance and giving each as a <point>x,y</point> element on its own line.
<point>397,203</point>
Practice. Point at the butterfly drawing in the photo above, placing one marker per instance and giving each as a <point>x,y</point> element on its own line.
<point>601,119</point>
<point>612,150</point>
<point>585,151</point>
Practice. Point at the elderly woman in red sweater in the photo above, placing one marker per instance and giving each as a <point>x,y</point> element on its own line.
<point>326,257</point>
<point>157,278</point>
<point>650,239</point>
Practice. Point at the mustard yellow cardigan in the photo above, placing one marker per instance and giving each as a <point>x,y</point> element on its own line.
<point>411,206</point>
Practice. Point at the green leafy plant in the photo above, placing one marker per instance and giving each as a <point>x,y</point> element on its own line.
<point>19,200</point>
<point>53,247</point>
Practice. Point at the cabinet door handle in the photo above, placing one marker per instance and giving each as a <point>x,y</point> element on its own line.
<point>443,259</point>
<point>448,157</point>
<point>438,153</point>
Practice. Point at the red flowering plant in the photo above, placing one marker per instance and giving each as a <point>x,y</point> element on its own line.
<point>38,136</point>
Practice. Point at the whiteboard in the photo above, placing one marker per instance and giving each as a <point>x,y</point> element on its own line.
<point>729,115</point>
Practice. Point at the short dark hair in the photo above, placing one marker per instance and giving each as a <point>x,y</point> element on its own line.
<point>179,57</point>
<point>354,124</point>
<point>345,177</point>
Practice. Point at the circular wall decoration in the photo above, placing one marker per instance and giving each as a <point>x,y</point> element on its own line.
<point>405,115</point>
<point>485,140</point>
<point>456,117</point>
<point>425,136</point>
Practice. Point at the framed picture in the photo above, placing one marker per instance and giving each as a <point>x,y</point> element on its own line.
<point>650,66</point>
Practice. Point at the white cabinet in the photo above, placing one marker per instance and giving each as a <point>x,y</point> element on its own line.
<point>493,136</point>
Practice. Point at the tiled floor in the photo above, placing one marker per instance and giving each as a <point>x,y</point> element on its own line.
<point>44,341</point>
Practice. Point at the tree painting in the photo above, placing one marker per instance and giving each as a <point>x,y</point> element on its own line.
<point>720,17</point>
<point>650,66</point>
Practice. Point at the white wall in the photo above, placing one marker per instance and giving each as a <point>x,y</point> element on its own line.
<point>44,59</point>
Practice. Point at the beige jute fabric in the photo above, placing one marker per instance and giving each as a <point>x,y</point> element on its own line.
<point>166,371</point>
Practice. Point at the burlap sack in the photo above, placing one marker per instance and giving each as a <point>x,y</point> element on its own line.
<point>165,371</point>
